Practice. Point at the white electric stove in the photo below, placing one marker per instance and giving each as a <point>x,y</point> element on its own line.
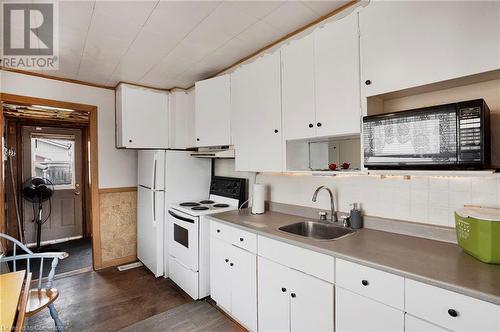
<point>189,234</point>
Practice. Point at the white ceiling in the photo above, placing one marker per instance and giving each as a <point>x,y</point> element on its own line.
<point>170,43</point>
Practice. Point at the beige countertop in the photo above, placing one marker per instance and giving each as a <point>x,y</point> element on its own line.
<point>438,263</point>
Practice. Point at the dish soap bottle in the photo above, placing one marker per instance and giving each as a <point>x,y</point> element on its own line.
<point>355,216</point>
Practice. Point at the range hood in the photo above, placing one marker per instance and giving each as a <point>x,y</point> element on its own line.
<point>218,152</point>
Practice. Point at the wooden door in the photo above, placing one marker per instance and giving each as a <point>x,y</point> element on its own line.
<point>244,287</point>
<point>311,303</point>
<point>273,295</point>
<point>256,115</point>
<point>299,109</point>
<point>358,313</point>
<point>213,111</point>
<point>56,154</point>
<point>336,61</point>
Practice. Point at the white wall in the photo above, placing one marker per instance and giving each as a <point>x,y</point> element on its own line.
<point>430,200</point>
<point>117,168</point>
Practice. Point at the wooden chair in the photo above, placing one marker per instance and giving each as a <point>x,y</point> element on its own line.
<point>43,295</point>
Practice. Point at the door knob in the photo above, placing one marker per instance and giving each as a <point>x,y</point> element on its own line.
<point>77,189</point>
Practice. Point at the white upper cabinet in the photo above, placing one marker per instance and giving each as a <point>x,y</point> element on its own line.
<point>213,111</point>
<point>299,110</point>
<point>182,134</point>
<point>256,115</point>
<point>406,44</point>
<point>336,71</point>
<point>141,118</point>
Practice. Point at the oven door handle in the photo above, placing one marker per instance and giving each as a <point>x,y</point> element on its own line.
<point>180,218</point>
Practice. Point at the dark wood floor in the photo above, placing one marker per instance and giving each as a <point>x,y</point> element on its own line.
<point>109,300</point>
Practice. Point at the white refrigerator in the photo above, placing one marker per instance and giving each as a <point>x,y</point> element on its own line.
<point>165,177</point>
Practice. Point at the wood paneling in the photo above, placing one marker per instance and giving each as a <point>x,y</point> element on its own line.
<point>117,190</point>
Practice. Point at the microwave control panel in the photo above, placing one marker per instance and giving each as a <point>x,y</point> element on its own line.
<point>470,134</point>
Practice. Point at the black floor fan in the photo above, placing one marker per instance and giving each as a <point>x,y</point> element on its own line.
<point>37,190</point>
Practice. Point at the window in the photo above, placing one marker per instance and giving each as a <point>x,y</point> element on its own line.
<point>53,157</point>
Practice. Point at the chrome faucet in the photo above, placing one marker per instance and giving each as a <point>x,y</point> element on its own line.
<point>333,213</point>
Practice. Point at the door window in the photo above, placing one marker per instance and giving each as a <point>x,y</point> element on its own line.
<point>53,157</point>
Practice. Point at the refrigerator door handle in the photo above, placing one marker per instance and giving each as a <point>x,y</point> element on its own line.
<point>154,207</point>
<point>154,173</point>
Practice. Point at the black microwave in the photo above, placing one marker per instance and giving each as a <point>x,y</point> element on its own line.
<point>451,136</point>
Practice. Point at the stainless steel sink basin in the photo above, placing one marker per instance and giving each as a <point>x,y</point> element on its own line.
<point>318,230</point>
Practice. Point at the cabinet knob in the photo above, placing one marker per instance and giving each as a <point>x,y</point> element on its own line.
<point>130,141</point>
<point>293,295</point>
<point>311,125</point>
<point>452,312</point>
<point>318,124</point>
<point>365,282</point>
<point>276,131</point>
<point>197,139</point>
<point>231,264</point>
<point>218,231</point>
<point>283,289</point>
<point>241,239</point>
<point>226,260</point>
<point>368,82</point>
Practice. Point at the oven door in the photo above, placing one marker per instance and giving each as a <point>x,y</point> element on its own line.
<point>183,238</point>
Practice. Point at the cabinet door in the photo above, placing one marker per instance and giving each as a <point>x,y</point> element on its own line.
<point>256,115</point>
<point>274,296</point>
<point>336,63</point>
<point>311,303</point>
<point>413,324</point>
<point>354,312</point>
<point>182,132</point>
<point>144,118</point>
<point>297,60</point>
<point>406,44</point>
<point>244,287</point>
<point>213,111</point>
<point>220,277</point>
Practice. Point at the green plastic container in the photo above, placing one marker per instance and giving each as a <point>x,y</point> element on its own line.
<point>478,233</point>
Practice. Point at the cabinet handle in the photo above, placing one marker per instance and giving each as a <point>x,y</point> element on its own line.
<point>241,239</point>
<point>276,131</point>
<point>368,82</point>
<point>318,124</point>
<point>283,289</point>
<point>452,312</point>
<point>293,295</point>
<point>231,264</point>
<point>218,231</point>
<point>311,125</point>
<point>226,260</point>
<point>365,282</point>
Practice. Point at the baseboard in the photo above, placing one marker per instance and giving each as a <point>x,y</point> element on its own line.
<point>117,261</point>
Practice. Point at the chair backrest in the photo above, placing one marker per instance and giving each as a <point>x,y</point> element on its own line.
<point>28,255</point>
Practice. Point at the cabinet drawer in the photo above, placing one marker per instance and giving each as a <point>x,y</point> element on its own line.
<point>449,309</point>
<point>375,284</point>
<point>307,261</point>
<point>245,240</point>
<point>235,236</point>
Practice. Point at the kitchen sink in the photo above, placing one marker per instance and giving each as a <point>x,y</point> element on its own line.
<point>318,230</point>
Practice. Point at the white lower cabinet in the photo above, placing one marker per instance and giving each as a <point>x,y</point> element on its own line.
<point>413,324</point>
<point>233,281</point>
<point>290,300</point>
<point>354,312</point>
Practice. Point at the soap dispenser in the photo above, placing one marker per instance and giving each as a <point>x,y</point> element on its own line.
<point>355,216</point>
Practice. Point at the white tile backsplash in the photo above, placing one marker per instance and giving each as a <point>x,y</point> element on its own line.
<point>430,200</point>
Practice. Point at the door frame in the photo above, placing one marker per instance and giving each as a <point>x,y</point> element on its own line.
<point>93,189</point>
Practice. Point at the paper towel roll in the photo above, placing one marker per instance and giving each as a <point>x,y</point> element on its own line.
<point>259,196</point>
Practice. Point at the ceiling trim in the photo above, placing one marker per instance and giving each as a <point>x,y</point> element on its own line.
<point>262,49</point>
<point>282,39</point>
<point>62,79</point>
